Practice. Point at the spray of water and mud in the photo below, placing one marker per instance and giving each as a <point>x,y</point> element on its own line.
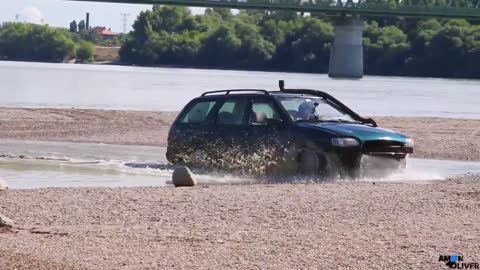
<point>39,165</point>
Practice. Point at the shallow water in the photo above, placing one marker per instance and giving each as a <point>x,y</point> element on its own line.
<point>51,164</point>
<point>24,84</point>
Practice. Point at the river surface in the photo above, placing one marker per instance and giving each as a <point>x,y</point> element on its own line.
<point>24,84</point>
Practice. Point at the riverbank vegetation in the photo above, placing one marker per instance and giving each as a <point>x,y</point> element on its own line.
<point>260,40</point>
<point>30,42</point>
<point>288,41</point>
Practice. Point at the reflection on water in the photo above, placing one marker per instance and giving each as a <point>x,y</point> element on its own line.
<point>119,87</point>
<point>52,164</point>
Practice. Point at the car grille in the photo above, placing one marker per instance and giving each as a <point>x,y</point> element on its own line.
<point>382,147</point>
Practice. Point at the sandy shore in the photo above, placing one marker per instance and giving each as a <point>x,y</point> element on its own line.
<point>437,138</point>
<point>74,125</point>
<point>281,226</point>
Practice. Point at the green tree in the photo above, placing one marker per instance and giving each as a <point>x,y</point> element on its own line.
<point>283,40</point>
<point>224,13</point>
<point>272,32</point>
<point>81,26</point>
<point>220,48</point>
<point>85,52</point>
<point>73,26</point>
<point>19,41</point>
<point>447,46</point>
<point>385,49</point>
<point>171,19</point>
<point>311,48</point>
<point>439,49</point>
<point>254,51</point>
<point>90,35</point>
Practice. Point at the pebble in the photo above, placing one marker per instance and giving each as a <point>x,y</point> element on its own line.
<point>5,222</point>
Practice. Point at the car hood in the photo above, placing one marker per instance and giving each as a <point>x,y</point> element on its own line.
<point>359,131</point>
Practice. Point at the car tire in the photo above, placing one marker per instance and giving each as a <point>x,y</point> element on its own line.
<point>312,162</point>
<point>309,162</point>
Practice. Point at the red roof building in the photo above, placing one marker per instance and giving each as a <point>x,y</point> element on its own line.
<point>105,33</point>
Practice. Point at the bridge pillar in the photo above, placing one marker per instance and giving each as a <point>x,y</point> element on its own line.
<point>346,54</point>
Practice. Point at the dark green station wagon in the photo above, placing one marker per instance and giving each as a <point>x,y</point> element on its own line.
<point>290,131</point>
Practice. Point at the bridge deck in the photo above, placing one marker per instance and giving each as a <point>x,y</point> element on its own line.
<point>468,9</point>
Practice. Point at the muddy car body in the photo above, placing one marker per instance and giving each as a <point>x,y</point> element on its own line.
<point>295,131</point>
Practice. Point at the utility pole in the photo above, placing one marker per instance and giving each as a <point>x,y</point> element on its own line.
<point>125,21</point>
<point>17,17</point>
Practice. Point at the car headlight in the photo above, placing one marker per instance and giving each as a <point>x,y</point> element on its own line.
<point>409,143</point>
<point>345,142</point>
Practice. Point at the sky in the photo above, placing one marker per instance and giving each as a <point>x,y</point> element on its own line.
<point>61,12</point>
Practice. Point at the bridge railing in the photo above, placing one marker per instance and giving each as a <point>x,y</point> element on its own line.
<point>469,9</point>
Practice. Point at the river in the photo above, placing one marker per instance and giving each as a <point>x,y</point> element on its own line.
<point>24,84</point>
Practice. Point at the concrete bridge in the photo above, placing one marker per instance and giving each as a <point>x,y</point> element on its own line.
<point>346,56</point>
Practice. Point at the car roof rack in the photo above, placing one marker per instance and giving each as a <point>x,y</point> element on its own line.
<point>227,92</point>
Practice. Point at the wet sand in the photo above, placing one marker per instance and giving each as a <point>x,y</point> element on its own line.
<point>345,225</point>
<point>437,138</point>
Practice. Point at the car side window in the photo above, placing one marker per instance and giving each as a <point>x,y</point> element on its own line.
<point>261,112</point>
<point>198,112</point>
<point>232,112</point>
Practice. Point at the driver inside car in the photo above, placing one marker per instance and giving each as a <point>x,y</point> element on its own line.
<point>306,111</point>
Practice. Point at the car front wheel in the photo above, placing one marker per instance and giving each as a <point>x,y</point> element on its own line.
<point>309,162</point>
<point>312,162</point>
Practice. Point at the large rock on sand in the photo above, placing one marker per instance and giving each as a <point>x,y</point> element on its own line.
<point>3,185</point>
<point>5,222</point>
<point>183,177</point>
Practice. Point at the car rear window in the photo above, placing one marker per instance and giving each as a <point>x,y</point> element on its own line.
<point>198,112</point>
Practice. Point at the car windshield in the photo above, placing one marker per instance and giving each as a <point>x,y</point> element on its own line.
<point>312,109</point>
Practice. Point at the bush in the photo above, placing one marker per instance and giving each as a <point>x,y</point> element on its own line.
<point>20,41</point>
<point>85,52</point>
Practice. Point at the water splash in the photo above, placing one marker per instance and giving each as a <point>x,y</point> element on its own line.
<point>406,176</point>
<point>41,165</point>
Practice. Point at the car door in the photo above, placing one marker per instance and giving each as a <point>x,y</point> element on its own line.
<point>267,126</point>
<point>230,122</point>
<point>193,131</point>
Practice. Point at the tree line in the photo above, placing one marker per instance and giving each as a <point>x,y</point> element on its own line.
<point>30,42</point>
<point>289,41</point>
<point>260,40</point>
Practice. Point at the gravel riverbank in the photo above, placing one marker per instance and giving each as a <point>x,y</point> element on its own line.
<point>282,226</point>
